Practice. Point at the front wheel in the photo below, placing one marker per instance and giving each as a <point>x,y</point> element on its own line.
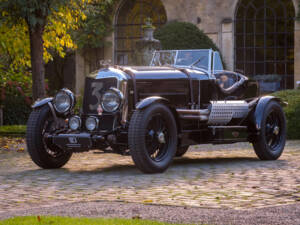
<point>43,154</point>
<point>270,142</point>
<point>152,138</point>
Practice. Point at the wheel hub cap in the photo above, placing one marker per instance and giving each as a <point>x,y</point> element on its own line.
<point>276,130</point>
<point>161,138</point>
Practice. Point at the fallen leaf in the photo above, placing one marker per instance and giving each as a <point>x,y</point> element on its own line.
<point>20,149</point>
<point>136,217</point>
<point>148,201</point>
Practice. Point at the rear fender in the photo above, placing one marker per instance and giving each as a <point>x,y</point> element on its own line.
<point>261,106</point>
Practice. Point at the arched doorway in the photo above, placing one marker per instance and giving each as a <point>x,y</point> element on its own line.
<point>264,39</point>
<point>128,27</point>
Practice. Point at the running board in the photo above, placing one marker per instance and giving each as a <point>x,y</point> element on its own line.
<point>229,134</point>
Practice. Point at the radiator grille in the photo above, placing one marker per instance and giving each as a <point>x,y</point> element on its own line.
<point>93,91</point>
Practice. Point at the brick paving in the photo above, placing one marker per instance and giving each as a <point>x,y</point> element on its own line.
<point>224,176</point>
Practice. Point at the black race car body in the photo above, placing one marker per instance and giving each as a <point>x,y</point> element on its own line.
<point>207,105</point>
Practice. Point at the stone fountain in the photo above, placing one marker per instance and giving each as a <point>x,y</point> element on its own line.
<point>145,47</point>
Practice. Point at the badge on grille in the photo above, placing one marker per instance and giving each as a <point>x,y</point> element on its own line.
<point>73,140</point>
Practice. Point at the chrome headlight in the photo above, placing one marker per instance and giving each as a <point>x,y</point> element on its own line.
<point>91,123</point>
<point>111,100</point>
<point>74,123</point>
<point>64,101</point>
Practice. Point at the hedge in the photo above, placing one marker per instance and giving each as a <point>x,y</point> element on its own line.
<point>292,111</point>
<point>15,103</point>
<point>13,130</point>
<point>183,35</point>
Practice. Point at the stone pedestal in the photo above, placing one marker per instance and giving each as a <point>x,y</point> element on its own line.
<point>227,44</point>
<point>144,49</point>
<point>79,73</point>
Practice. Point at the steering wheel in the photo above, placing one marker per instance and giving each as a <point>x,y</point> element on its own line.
<point>241,79</point>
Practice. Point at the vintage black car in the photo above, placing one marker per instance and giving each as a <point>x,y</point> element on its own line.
<point>154,113</point>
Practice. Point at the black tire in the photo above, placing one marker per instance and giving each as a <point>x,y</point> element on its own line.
<point>181,151</point>
<point>150,153</point>
<point>270,142</point>
<point>45,156</point>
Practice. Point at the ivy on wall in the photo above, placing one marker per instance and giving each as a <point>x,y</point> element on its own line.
<point>96,26</point>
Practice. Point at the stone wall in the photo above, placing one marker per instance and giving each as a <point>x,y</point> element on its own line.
<point>216,19</point>
<point>209,16</point>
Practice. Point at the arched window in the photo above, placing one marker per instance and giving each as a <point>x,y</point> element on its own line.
<point>264,39</point>
<point>128,29</point>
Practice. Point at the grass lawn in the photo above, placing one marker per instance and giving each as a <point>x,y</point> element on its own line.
<point>18,130</point>
<point>51,220</point>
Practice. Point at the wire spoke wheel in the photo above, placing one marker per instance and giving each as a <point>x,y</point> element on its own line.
<point>157,138</point>
<point>42,152</point>
<point>270,141</point>
<point>152,138</point>
<point>273,130</point>
<point>49,128</point>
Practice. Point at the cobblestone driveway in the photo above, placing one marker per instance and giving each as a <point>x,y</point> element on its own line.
<point>208,176</point>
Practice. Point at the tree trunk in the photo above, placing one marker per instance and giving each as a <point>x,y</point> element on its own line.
<point>37,62</point>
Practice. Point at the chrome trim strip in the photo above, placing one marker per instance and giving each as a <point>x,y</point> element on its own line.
<point>124,90</point>
<point>209,63</point>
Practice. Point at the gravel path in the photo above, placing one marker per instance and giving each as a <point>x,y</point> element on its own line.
<point>280,215</point>
<point>229,179</point>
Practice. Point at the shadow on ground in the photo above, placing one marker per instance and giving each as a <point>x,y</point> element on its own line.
<point>184,163</point>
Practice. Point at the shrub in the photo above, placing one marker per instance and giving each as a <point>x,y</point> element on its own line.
<point>15,96</point>
<point>12,130</point>
<point>183,35</point>
<point>292,111</point>
<point>15,104</point>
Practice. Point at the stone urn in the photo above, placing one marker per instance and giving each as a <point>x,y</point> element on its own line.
<point>148,33</point>
<point>148,29</point>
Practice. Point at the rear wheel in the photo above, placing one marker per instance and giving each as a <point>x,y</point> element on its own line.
<point>45,155</point>
<point>270,142</point>
<point>152,138</point>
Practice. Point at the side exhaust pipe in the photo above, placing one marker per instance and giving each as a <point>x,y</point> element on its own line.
<point>193,114</point>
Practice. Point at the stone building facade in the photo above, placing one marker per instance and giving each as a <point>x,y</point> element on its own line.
<point>259,37</point>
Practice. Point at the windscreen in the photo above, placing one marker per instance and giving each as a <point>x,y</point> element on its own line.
<point>195,58</point>
<point>199,58</point>
<point>164,58</point>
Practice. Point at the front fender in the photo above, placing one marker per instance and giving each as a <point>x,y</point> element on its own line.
<point>42,102</point>
<point>151,100</point>
<point>261,106</point>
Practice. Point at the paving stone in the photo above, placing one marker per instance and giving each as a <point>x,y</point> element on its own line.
<point>225,176</point>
